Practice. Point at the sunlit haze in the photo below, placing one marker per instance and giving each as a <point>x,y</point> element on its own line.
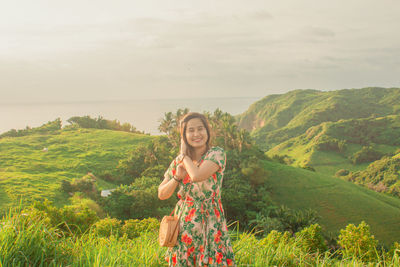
<point>115,50</point>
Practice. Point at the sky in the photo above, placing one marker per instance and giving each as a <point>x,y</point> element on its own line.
<point>79,50</point>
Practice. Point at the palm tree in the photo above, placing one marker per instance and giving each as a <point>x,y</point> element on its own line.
<point>167,124</point>
<point>243,139</point>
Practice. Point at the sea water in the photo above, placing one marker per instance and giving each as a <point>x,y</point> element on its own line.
<point>144,114</point>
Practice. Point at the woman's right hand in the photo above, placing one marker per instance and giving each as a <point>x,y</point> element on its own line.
<point>181,171</point>
<point>183,150</point>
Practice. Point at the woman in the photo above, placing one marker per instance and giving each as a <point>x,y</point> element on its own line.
<point>203,238</point>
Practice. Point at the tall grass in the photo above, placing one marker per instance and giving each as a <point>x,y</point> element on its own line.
<point>28,239</point>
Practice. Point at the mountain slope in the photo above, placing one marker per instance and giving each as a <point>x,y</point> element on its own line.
<point>331,146</point>
<point>338,202</point>
<point>277,118</point>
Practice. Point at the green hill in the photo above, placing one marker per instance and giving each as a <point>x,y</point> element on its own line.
<point>277,118</point>
<point>331,146</point>
<point>338,202</point>
<point>29,172</point>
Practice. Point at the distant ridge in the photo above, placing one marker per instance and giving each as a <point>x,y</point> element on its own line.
<point>277,118</point>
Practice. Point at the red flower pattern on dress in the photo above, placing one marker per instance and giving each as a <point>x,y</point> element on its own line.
<point>190,251</point>
<point>218,257</point>
<point>187,179</point>
<point>210,260</point>
<point>220,204</point>
<point>214,177</point>
<point>173,171</point>
<point>189,217</point>
<point>201,249</point>
<point>189,201</point>
<point>229,261</point>
<point>217,237</point>
<point>186,239</point>
<point>174,259</point>
<point>217,213</point>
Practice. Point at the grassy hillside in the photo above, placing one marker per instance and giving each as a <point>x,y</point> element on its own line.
<point>338,202</point>
<point>331,146</point>
<point>277,118</point>
<point>28,172</point>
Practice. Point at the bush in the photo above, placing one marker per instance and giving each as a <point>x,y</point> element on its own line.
<point>311,240</point>
<point>332,144</point>
<point>107,227</point>
<point>308,167</point>
<point>73,219</point>
<point>274,238</point>
<point>134,228</point>
<point>366,154</point>
<point>342,172</point>
<point>357,242</point>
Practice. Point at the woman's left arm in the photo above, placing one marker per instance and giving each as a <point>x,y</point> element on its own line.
<point>201,173</point>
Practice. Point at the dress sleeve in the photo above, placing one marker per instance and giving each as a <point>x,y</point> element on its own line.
<point>218,156</point>
<point>171,171</point>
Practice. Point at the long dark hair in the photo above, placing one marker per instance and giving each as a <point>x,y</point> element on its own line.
<point>183,125</point>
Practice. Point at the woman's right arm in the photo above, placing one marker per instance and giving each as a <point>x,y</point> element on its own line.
<point>167,188</point>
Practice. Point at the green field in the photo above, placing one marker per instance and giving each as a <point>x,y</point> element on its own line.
<point>28,173</point>
<point>338,202</point>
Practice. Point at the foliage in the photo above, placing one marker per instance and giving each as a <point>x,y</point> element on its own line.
<point>137,201</point>
<point>50,127</point>
<point>357,241</point>
<point>331,144</point>
<point>311,240</point>
<point>366,154</point>
<point>71,219</point>
<point>101,123</point>
<point>134,228</point>
<point>107,227</point>
<point>147,159</point>
<point>86,184</point>
<point>283,159</point>
<point>308,167</point>
<point>381,175</point>
<point>342,172</point>
<point>284,219</point>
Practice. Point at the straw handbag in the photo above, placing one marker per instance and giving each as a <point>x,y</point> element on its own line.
<point>169,228</point>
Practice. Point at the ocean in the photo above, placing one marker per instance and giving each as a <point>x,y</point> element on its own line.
<point>144,114</point>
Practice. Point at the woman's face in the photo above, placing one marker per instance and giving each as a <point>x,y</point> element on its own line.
<point>196,133</point>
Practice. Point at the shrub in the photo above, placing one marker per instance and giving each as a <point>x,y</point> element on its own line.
<point>311,240</point>
<point>366,154</point>
<point>274,238</point>
<point>73,219</point>
<point>134,228</point>
<point>357,242</point>
<point>107,227</point>
<point>331,144</point>
<point>308,167</point>
<point>342,172</point>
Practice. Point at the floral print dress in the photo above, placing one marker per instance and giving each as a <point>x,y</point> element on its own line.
<point>203,234</point>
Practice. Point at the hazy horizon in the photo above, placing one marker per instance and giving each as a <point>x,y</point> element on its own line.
<point>143,114</point>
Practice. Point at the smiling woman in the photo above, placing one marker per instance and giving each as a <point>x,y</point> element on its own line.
<point>198,171</point>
